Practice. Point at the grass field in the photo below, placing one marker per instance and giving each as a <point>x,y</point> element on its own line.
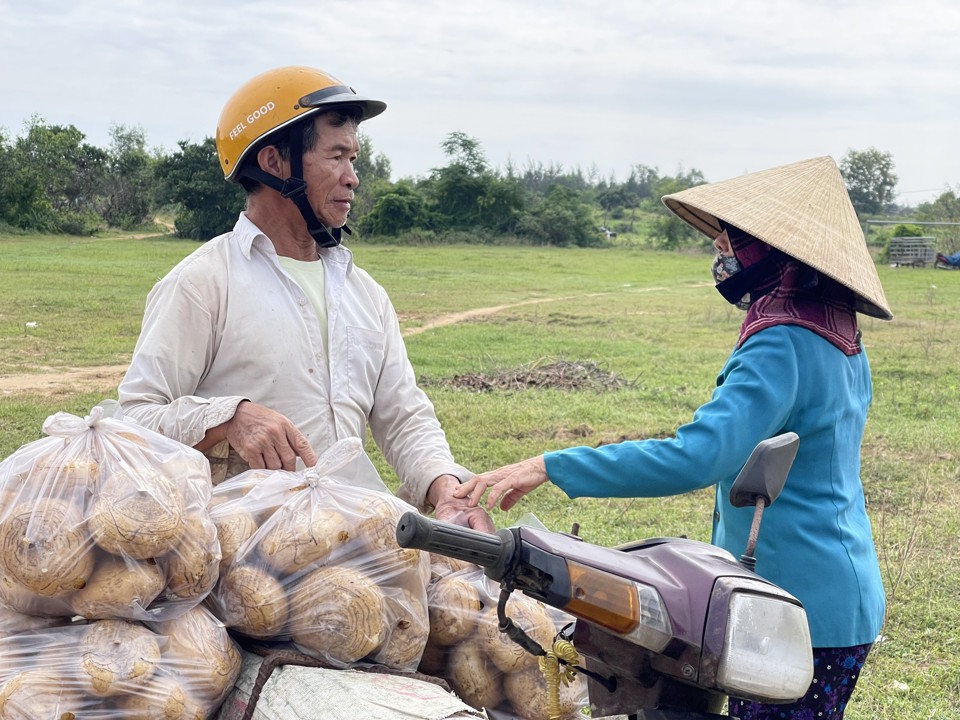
<point>648,319</point>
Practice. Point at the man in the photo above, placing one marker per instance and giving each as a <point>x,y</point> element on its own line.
<point>948,260</point>
<point>267,344</point>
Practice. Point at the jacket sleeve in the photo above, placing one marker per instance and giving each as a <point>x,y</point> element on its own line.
<point>755,395</point>
<point>169,360</point>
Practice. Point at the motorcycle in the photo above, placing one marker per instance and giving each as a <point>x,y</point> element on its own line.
<point>942,262</point>
<point>669,627</point>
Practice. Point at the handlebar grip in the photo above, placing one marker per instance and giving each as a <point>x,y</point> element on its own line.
<point>492,552</point>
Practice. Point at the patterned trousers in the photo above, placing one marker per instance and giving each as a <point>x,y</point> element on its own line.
<point>835,674</point>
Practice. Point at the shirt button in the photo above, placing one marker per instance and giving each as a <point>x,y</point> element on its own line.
<point>716,517</point>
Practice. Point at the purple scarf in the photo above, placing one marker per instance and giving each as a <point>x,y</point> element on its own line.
<point>792,293</point>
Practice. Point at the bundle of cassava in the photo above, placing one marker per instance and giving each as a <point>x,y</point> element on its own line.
<point>105,519</point>
<point>483,665</point>
<point>107,550</point>
<point>312,560</point>
<point>178,669</point>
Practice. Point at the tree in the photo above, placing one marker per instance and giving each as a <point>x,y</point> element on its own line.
<point>671,231</point>
<point>870,180</point>
<point>371,166</point>
<point>22,202</point>
<point>946,208</point>
<point>454,190</point>
<point>537,178</point>
<point>398,209</point>
<point>615,198</point>
<point>560,219</point>
<point>55,180</point>
<point>84,185</point>
<point>128,184</point>
<point>642,181</point>
<point>467,194</point>
<point>466,152</point>
<point>502,204</point>
<point>193,180</point>
<point>373,169</point>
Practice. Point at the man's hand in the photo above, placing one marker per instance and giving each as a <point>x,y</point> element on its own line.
<point>457,510</point>
<point>266,439</point>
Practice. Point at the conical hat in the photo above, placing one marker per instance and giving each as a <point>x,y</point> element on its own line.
<point>802,209</point>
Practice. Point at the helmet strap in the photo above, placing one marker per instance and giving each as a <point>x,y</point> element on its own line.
<point>294,188</point>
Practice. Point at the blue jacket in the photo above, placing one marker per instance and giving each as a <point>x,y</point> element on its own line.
<point>816,541</point>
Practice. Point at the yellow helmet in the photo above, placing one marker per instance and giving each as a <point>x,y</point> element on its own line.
<point>274,100</point>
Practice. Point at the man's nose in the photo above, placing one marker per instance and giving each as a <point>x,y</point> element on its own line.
<point>351,179</point>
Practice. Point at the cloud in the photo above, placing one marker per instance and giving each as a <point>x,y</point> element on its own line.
<point>719,85</point>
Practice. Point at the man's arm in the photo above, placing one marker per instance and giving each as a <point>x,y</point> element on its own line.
<point>262,437</point>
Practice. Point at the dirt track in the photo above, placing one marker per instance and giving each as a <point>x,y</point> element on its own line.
<point>57,380</point>
<point>51,381</point>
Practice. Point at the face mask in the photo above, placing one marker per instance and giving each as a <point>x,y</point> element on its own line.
<point>724,266</point>
<point>742,286</point>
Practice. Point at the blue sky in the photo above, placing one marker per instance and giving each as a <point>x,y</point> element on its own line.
<point>722,86</point>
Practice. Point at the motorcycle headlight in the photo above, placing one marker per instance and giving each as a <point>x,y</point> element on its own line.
<point>767,655</point>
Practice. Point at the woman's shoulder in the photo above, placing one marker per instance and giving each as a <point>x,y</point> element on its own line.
<point>776,340</point>
<point>784,336</point>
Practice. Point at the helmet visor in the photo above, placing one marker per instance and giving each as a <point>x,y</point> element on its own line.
<point>342,95</point>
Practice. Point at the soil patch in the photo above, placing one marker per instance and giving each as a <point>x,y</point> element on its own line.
<point>539,375</point>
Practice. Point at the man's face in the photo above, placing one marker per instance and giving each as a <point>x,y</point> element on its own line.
<point>328,171</point>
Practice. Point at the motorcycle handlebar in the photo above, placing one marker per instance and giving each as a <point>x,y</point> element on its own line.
<point>492,552</point>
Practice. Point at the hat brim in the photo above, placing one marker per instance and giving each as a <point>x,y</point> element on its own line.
<point>802,209</point>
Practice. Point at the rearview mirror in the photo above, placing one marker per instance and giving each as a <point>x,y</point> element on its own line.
<point>765,472</point>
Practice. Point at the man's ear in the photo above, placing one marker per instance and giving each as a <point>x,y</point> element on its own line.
<point>270,161</point>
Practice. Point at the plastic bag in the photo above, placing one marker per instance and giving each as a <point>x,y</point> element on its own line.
<point>311,559</point>
<point>197,646</point>
<point>483,665</point>
<point>119,670</point>
<point>105,519</point>
<point>13,621</point>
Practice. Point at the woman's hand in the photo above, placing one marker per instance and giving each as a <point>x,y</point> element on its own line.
<point>507,484</point>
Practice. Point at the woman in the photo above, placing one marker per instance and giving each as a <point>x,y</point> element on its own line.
<point>790,252</point>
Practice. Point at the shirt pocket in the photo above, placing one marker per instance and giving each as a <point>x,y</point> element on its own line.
<point>365,352</point>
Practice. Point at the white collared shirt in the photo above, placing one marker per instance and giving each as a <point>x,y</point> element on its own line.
<point>228,324</point>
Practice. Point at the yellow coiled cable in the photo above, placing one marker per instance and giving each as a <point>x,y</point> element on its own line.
<point>554,674</point>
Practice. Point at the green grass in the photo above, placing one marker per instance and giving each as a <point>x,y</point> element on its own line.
<point>85,296</point>
<point>649,317</point>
